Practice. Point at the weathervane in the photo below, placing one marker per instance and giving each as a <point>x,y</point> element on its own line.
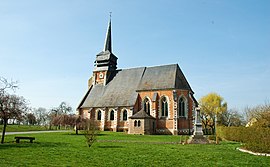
<point>110,15</point>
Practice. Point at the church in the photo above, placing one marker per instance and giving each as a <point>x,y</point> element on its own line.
<point>143,100</point>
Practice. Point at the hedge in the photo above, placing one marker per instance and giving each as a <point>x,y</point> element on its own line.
<point>256,139</point>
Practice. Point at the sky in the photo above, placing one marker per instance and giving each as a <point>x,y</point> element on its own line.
<point>222,46</point>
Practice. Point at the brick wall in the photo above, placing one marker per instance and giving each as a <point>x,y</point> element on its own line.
<point>162,124</point>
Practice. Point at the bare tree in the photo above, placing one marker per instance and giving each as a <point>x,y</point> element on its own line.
<point>41,115</point>
<point>231,118</point>
<point>63,108</point>
<point>11,106</point>
<point>90,131</point>
<point>61,115</point>
<point>5,85</point>
<point>31,119</point>
<point>259,115</point>
<point>64,119</point>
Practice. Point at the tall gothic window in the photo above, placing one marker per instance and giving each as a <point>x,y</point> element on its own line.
<point>146,105</point>
<point>164,107</point>
<point>112,115</point>
<point>182,107</point>
<point>99,115</point>
<point>124,115</point>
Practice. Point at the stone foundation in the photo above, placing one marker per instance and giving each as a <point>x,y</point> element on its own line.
<point>198,139</point>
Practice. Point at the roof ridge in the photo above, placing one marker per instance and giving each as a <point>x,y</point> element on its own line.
<point>150,66</point>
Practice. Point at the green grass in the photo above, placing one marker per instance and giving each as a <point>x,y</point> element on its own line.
<point>68,149</point>
<point>22,128</point>
<point>25,128</point>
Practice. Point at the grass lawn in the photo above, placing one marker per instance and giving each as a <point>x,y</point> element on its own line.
<point>68,149</point>
<point>25,128</point>
<point>22,128</point>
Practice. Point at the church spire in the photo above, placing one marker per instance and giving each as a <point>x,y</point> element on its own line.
<point>108,39</point>
<point>106,60</point>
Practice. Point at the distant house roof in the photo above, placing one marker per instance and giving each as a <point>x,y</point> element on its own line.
<point>141,115</point>
<point>123,89</point>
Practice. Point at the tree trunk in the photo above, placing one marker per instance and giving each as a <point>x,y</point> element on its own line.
<point>217,141</point>
<point>4,130</point>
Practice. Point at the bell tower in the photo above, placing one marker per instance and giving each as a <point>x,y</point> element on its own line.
<point>106,62</point>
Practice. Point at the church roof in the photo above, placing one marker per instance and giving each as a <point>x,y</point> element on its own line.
<point>163,77</point>
<point>120,91</point>
<point>141,115</point>
<point>123,89</point>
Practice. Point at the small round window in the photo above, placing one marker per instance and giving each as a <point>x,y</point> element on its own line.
<point>101,75</point>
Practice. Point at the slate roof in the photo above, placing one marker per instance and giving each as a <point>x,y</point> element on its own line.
<point>141,115</point>
<point>123,89</point>
<point>120,91</point>
<point>163,77</point>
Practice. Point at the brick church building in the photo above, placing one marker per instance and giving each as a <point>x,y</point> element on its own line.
<point>143,100</point>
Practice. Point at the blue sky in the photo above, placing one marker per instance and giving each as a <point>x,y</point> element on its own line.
<point>221,45</point>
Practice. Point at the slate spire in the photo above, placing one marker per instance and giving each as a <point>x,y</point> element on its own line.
<point>108,39</point>
<point>106,60</point>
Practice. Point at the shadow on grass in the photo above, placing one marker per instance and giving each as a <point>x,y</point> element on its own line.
<point>13,144</point>
<point>110,147</point>
<point>81,134</point>
<point>230,143</point>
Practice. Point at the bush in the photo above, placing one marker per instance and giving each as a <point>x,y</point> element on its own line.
<point>254,138</point>
<point>90,132</point>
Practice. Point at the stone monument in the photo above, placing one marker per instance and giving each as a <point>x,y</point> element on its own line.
<point>197,137</point>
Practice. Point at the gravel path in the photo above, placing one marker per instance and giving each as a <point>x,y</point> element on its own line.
<point>31,132</point>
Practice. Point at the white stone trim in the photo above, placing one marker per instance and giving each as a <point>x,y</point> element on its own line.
<point>150,102</point>
<point>104,78</point>
<point>175,116</point>
<point>193,105</point>
<point>89,113</point>
<point>114,114</point>
<point>160,107</point>
<point>96,114</point>
<point>186,106</point>
<point>85,114</point>
<point>103,117</point>
<point>122,114</point>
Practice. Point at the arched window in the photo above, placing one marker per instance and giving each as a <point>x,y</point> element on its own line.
<point>124,115</point>
<point>139,123</point>
<point>99,115</point>
<point>112,115</point>
<point>135,123</point>
<point>146,105</point>
<point>164,107</point>
<point>182,107</point>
